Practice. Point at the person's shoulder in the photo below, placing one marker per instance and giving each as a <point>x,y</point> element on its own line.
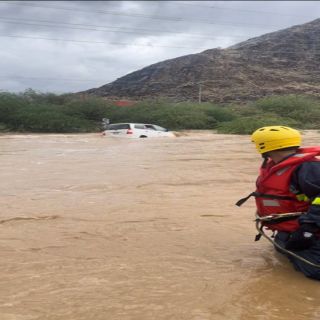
<point>310,164</point>
<point>308,167</point>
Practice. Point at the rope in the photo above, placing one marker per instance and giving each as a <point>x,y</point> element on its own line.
<point>259,227</point>
<point>278,216</point>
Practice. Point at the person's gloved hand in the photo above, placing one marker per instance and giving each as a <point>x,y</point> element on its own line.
<point>303,238</point>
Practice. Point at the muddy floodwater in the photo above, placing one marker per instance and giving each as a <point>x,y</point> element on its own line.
<point>116,229</point>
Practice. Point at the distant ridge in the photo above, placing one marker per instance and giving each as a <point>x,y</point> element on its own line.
<point>282,62</point>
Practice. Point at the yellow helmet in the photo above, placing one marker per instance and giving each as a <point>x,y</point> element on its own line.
<point>275,137</point>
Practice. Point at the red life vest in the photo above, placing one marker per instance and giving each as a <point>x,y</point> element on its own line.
<point>274,183</point>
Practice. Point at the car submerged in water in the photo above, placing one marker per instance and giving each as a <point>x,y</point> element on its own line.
<point>136,130</point>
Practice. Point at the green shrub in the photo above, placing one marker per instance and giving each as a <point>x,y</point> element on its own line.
<point>3,127</point>
<point>48,112</point>
<point>10,104</point>
<point>90,109</point>
<point>305,110</point>
<point>50,121</point>
<point>30,111</point>
<point>247,125</point>
<point>174,116</point>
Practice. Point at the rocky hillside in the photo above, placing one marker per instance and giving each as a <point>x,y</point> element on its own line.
<point>282,62</point>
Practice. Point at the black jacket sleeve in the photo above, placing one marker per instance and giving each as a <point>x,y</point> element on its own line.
<point>306,180</point>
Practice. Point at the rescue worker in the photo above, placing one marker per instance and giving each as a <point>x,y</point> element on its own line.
<point>289,182</point>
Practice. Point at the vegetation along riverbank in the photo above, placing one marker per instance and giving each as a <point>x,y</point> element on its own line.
<point>47,112</point>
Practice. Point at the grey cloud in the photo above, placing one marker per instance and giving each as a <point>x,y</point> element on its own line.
<point>132,38</point>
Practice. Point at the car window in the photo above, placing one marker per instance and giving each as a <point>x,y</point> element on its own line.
<point>158,128</point>
<point>150,127</point>
<point>118,126</point>
<point>139,126</point>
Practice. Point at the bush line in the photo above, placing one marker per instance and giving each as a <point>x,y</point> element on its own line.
<point>50,113</point>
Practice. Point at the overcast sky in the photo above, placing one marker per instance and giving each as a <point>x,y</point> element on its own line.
<point>69,46</point>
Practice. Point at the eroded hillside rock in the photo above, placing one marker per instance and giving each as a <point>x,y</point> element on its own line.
<point>282,62</point>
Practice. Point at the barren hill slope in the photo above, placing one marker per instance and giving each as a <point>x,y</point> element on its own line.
<point>282,62</point>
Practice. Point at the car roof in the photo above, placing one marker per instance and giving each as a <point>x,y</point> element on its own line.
<point>130,123</point>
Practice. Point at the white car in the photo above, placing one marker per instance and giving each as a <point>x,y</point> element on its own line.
<point>136,130</point>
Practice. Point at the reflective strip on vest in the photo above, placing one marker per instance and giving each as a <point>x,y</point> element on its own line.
<point>283,170</point>
<point>270,203</point>
<point>316,201</point>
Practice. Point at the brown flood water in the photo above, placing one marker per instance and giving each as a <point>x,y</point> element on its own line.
<point>114,229</point>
